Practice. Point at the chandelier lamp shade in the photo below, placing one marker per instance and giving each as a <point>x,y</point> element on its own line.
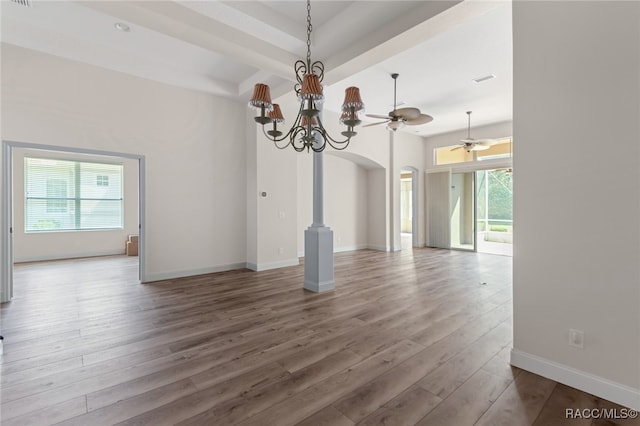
<point>307,131</point>
<point>261,100</point>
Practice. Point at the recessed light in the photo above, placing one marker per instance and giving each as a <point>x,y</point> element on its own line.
<point>485,78</point>
<point>121,26</point>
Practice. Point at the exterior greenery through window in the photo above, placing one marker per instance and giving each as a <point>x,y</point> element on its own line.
<point>495,201</point>
<point>65,195</point>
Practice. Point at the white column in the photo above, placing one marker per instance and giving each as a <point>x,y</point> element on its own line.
<point>318,186</point>
<point>318,239</point>
<point>395,243</point>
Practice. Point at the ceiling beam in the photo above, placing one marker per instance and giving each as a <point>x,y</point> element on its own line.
<point>410,30</point>
<point>268,17</point>
<point>187,25</point>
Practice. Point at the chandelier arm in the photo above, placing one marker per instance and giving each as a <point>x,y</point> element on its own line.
<point>321,147</point>
<point>273,139</point>
<point>298,144</point>
<point>300,68</point>
<point>337,145</point>
<point>277,141</point>
<point>317,68</point>
<point>340,147</point>
<point>286,135</point>
<point>283,146</point>
<point>327,137</point>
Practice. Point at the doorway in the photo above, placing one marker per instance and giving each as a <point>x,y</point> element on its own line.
<point>9,149</point>
<point>408,208</point>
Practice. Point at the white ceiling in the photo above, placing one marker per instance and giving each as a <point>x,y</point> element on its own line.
<point>225,47</point>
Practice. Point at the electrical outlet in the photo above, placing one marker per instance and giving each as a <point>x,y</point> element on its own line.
<point>576,338</point>
<point>281,250</point>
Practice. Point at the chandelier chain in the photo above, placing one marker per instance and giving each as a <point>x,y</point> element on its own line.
<point>309,28</point>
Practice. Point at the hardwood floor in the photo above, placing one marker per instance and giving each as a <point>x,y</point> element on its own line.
<point>417,337</point>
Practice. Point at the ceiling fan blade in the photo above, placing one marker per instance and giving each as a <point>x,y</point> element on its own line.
<point>486,142</point>
<point>457,147</point>
<point>422,119</point>
<point>478,147</point>
<point>378,116</point>
<point>406,113</point>
<point>375,124</point>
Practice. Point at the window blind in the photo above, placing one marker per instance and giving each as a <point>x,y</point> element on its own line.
<point>72,195</point>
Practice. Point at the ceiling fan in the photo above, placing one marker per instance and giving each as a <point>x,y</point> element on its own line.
<point>397,118</point>
<point>470,144</point>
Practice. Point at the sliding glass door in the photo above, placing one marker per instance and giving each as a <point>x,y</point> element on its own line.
<point>471,211</point>
<point>494,223</point>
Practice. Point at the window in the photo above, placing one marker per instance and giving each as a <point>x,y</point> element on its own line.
<point>454,154</point>
<point>72,195</point>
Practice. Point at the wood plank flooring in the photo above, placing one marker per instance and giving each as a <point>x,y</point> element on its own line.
<point>418,337</point>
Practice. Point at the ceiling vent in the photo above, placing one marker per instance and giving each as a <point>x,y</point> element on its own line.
<point>480,79</point>
<point>26,3</point>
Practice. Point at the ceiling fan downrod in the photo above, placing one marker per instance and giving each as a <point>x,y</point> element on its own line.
<point>395,85</point>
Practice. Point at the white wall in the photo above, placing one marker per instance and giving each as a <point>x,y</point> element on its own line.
<point>305,199</point>
<point>378,231</point>
<point>352,185</point>
<point>346,211</point>
<point>366,174</point>
<point>70,244</point>
<point>276,213</point>
<point>194,145</point>
<point>252,192</point>
<point>576,194</point>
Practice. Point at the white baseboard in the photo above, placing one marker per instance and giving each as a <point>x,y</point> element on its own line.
<point>150,277</point>
<point>25,259</point>
<point>272,265</point>
<point>378,247</point>
<point>350,248</point>
<point>319,287</point>
<point>354,248</point>
<point>587,382</point>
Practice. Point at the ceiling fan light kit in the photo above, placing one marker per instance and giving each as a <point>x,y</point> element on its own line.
<point>398,118</point>
<point>395,125</point>
<point>308,124</point>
